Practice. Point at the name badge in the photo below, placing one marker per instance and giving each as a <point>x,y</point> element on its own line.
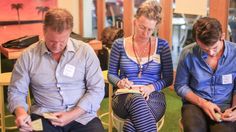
<point>157,58</point>
<point>69,70</point>
<point>227,79</point>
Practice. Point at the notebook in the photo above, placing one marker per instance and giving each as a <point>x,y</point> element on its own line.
<point>126,90</point>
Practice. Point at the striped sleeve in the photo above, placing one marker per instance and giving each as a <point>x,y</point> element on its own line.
<point>166,67</point>
<point>114,62</point>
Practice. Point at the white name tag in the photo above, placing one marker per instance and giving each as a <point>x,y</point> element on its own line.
<point>227,79</point>
<point>157,58</point>
<point>69,70</point>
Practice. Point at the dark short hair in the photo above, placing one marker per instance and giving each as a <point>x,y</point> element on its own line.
<point>58,20</point>
<point>207,30</point>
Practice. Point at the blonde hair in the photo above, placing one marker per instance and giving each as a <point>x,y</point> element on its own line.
<point>150,9</point>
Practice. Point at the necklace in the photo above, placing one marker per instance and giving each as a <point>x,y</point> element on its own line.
<point>139,58</point>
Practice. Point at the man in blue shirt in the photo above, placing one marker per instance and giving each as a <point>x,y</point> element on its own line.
<point>206,80</point>
<point>65,78</point>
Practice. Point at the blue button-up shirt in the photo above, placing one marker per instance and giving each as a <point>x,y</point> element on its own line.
<point>194,74</point>
<point>76,80</point>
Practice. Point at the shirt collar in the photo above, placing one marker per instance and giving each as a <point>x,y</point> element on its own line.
<point>69,47</point>
<point>226,50</point>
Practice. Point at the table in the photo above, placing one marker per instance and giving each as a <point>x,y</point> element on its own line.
<point>15,53</point>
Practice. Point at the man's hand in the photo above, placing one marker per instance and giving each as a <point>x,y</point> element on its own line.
<point>211,109</point>
<point>23,120</point>
<point>229,114</point>
<point>64,118</point>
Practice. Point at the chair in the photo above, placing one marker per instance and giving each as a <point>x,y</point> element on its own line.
<point>114,119</point>
<point>4,81</point>
<point>119,122</point>
<point>181,128</point>
<point>109,124</point>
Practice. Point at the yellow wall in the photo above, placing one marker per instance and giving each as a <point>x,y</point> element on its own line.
<point>72,7</point>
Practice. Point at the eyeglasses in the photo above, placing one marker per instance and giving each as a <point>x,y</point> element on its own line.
<point>143,28</point>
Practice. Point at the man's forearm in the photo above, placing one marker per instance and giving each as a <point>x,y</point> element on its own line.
<point>234,100</point>
<point>195,99</point>
<point>77,112</point>
<point>20,111</point>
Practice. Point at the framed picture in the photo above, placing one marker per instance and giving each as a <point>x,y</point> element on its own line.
<point>22,17</point>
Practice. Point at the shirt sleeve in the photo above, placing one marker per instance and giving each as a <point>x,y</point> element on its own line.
<point>94,94</point>
<point>166,68</point>
<point>234,90</point>
<point>114,64</point>
<point>18,88</point>
<point>182,75</point>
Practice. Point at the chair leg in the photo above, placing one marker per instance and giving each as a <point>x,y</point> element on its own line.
<point>2,111</point>
<point>181,128</point>
<point>110,108</point>
<point>160,123</point>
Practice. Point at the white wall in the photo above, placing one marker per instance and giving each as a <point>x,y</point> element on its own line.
<point>88,7</point>
<point>73,7</point>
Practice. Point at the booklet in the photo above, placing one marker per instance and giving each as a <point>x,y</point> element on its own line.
<point>126,90</point>
<point>49,116</point>
<point>37,125</point>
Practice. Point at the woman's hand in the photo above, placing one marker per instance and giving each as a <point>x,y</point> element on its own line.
<point>124,83</point>
<point>146,90</point>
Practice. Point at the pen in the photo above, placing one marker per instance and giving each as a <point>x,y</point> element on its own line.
<point>234,108</point>
<point>127,80</point>
<point>26,119</point>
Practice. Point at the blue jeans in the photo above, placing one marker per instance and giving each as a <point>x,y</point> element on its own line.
<point>94,125</point>
<point>194,119</point>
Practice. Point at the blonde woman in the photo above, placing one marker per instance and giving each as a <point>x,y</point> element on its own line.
<point>141,62</point>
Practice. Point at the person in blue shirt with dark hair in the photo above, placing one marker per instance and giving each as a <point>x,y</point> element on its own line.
<point>206,78</point>
<point>142,62</point>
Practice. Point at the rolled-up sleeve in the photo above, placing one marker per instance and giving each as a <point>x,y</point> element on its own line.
<point>234,90</point>
<point>18,88</point>
<point>182,76</point>
<point>90,101</point>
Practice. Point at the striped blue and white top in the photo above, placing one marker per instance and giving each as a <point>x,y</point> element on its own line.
<point>158,71</point>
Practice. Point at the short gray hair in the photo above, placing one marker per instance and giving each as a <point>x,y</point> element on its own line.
<point>58,20</point>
